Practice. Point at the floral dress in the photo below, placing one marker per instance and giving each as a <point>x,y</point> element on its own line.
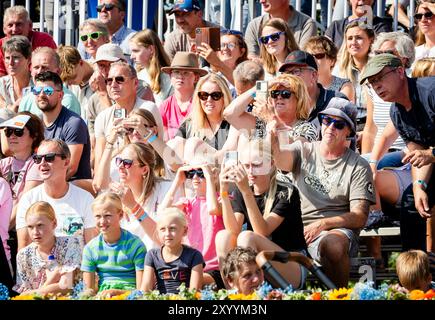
<point>31,268</point>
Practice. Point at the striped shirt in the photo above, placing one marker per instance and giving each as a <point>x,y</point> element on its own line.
<point>116,264</point>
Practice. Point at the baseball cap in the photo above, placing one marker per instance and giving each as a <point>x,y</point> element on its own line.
<point>377,63</point>
<point>299,58</point>
<point>109,52</point>
<point>342,108</point>
<point>185,6</point>
<point>17,122</point>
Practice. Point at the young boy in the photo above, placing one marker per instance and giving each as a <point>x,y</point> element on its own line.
<point>241,271</point>
<point>116,255</point>
<point>412,267</point>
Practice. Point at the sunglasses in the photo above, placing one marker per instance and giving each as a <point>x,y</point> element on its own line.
<point>338,124</point>
<point>49,157</point>
<point>376,52</point>
<point>191,173</point>
<point>427,15</point>
<point>217,95</point>
<point>285,94</point>
<point>118,80</point>
<point>126,163</point>
<point>94,36</point>
<point>47,90</point>
<point>16,132</point>
<point>274,37</point>
<point>319,56</point>
<point>107,6</point>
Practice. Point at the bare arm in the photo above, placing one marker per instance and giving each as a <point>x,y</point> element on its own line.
<point>235,113</point>
<point>196,277</point>
<point>213,206</point>
<point>99,149</point>
<point>349,91</point>
<point>139,278</point>
<point>76,153</point>
<point>89,281</point>
<point>149,279</point>
<point>23,238</point>
<point>89,234</point>
<point>370,129</point>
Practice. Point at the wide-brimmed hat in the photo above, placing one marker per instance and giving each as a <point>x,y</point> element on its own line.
<point>377,63</point>
<point>344,109</point>
<point>185,61</point>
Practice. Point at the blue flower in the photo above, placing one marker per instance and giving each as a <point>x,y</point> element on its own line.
<point>207,293</point>
<point>135,294</point>
<point>4,292</point>
<point>264,290</point>
<point>78,289</point>
<point>365,291</point>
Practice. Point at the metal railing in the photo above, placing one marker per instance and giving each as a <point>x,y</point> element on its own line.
<point>68,28</point>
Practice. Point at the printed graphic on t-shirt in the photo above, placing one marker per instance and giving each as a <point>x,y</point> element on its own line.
<point>72,226</point>
<point>179,275</point>
<point>323,182</point>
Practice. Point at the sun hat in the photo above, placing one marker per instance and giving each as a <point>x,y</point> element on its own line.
<point>185,61</point>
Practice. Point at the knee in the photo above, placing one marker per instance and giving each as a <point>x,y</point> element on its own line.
<point>334,249</point>
<point>224,241</point>
<point>246,239</point>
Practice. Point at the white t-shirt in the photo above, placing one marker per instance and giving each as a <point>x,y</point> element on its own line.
<point>166,88</point>
<point>104,120</point>
<point>423,52</point>
<point>73,210</point>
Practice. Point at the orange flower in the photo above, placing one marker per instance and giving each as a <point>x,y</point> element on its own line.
<point>430,294</point>
<point>416,295</point>
<point>316,296</point>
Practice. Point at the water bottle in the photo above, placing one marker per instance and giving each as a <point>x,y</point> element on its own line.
<point>51,262</point>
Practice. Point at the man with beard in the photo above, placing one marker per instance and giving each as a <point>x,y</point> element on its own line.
<point>61,123</point>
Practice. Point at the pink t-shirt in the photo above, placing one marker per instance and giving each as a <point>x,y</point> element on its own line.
<point>17,172</point>
<point>202,230</point>
<point>172,116</point>
<point>5,214</point>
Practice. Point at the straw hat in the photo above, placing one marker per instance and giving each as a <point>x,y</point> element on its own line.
<point>185,61</point>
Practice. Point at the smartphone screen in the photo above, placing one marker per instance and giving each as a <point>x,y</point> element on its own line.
<point>119,113</point>
<point>262,90</point>
<point>231,158</point>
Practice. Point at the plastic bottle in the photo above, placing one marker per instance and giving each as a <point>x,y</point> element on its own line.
<point>51,262</point>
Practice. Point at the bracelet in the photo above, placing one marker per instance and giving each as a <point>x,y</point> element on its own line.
<point>152,138</point>
<point>224,194</point>
<point>373,161</point>
<point>422,183</point>
<point>142,217</point>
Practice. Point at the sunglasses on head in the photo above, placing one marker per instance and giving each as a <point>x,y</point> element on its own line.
<point>319,56</point>
<point>274,37</point>
<point>427,15</point>
<point>15,131</point>
<point>49,157</point>
<point>94,36</point>
<point>217,95</point>
<point>126,163</point>
<point>118,80</point>
<point>338,124</point>
<point>107,6</point>
<point>191,173</point>
<point>47,90</point>
<point>285,94</point>
<point>232,32</point>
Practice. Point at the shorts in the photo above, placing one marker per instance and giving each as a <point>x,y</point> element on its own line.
<point>313,247</point>
<point>403,178</point>
<point>216,275</point>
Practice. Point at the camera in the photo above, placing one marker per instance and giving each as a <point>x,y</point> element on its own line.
<point>262,90</point>
<point>231,158</point>
<point>211,36</point>
<point>119,113</point>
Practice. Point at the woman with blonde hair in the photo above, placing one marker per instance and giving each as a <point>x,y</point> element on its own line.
<point>149,56</point>
<point>425,38</point>
<point>424,67</point>
<point>93,34</point>
<point>276,42</point>
<point>36,273</point>
<point>206,120</point>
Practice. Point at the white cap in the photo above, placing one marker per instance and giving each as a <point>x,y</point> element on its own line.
<point>17,122</point>
<point>109,52</point>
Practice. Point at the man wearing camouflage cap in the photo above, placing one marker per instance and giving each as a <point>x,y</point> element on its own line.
<point>413,115</point>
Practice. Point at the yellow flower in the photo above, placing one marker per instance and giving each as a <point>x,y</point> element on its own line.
<point>340,294</point>
<point>240,296</point>
<point>24,297</point>
<point>120,296</point>
<point>198,295</point>
<point>416,295</point>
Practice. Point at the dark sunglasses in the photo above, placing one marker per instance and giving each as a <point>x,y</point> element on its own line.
<point>107,6</point>
<point>232,32</point>
<point>376,52</point>
<point>274,37</point>
<point>47,90</point>
<point>191,173</point>
<point>338,124</point>
<point>94,36</point>
<point>118,80</point>
<point>427,15</point>
<point>217,95</point>
<point>126,163</point>
<point>49,157</point>
<point>319,56</point>
<point>285,94</point>
<point>16,132</point>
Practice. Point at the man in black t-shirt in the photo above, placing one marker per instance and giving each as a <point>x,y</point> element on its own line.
<point>413,115</point>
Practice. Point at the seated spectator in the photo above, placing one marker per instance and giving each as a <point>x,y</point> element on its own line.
<point>271,211</point>
<point>17,52</point>
<point>325,53</point>
<point>149,57</point>
<point>185,73</point>
<point>425,38</point>
<point>112,14</point>
<point>174,263</point>
<point>6,204</point>
<point>336,189</point>
<point>233,51</point>
<point>61,123</point>
<point>188,16</point>
<point>46,59</point>
<point>361,11</point>
<point>424,67</point>
<point>92,34</point>
<point>122,86</point>
<point>246,74</point>
<point>115,255</point>
<point>16,22</point>
<point>412,268</point>
<point>49,263</point>
<point>302,26</point>
<point>74,218</point>
<point>241,272</point>
<point>276,42</point>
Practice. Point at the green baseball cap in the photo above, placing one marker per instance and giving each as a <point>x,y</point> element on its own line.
<point>377,63</point>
